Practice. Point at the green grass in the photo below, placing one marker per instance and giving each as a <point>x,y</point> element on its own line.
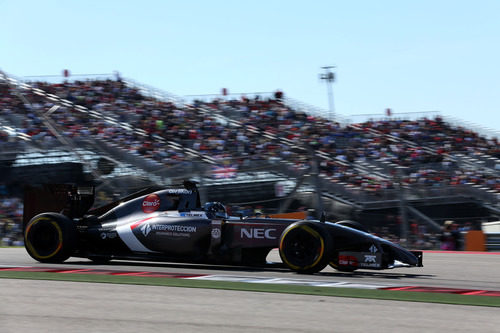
<point>261,287</point>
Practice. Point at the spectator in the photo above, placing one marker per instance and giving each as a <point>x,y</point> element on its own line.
<point>450,236</point>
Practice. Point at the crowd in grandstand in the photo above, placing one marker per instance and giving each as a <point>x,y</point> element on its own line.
<point>11,215</point>
<point>263,128</point>
<point>205,133</point>
<point>439,135</point>
<point>424,146</point>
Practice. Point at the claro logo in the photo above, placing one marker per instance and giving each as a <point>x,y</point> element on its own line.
<point>151,203</point>
<point>258,233</point>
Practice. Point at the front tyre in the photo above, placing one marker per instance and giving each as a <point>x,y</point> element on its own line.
<point>50,237</point>
<point>353,225</point>
<point>305,247</point>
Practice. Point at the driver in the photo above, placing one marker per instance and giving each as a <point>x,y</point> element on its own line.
<point>215,210</point>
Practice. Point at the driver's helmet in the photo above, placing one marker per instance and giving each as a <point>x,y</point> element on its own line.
<point>215,210</point>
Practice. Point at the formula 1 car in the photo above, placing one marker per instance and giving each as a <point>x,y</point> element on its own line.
<point>171,225</point>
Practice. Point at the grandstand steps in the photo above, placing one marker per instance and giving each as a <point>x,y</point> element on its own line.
<point>228,115</point>
<point>495,211</point>
<point>483,162</point>
<point>431,215</point>
<point>109,118</point>
<point>368,167</point>
<point>434,200</point>
<point>13,130</point>
<point>120,154</point>
<point>242,194</point>
<point>423,218</point>
<point>13,119</point>
<point>467,211</point>
<point>487,164</point>
<point>432,212</point>
<point>123,161</point>
<point>489,161</point>
<point>345,194</point>
<point>63,172</point>
<point>52,154</point>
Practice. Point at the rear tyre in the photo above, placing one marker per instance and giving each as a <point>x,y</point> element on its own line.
<point>305,247</point>
<point>50,237</point>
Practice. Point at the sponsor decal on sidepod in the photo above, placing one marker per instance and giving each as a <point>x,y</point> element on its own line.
<point>216,233</point>
<point>146,229</point>
<point>348,260</point>
<point>170,229</point>
<point>151,203</point>
<point>258,233</point>
<point>370,258</point>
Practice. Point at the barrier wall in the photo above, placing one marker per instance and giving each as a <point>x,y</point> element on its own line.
<point>493,242</point>
<point>475,240</point>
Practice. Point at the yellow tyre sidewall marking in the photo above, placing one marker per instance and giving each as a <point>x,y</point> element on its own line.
<point>315,234</point>
<point>30,246</point>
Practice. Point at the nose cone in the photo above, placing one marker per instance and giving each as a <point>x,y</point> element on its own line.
<point>404,256</point>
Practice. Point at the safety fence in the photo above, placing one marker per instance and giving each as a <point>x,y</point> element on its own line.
<point>493,242</point>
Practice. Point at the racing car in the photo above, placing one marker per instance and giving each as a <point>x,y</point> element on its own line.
<point>170,224</point>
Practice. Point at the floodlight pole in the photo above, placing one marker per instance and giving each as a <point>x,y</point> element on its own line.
<point>329,78</point>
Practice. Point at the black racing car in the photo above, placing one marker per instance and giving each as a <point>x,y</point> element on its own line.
<point>171,225</point>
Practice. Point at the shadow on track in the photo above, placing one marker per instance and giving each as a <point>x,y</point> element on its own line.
<point>270,267</point>
<point>196,266</point>
<point>377,274</point>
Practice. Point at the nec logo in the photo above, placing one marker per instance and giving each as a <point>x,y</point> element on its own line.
<point>258,233</point>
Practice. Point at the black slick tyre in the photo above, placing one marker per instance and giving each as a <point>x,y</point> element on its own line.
<point>50,237</point>
<point>305,247</point>
<point>353,225</point>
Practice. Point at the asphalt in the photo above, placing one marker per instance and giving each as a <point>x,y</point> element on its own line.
<point>49,306</point>
<point>56,306</point>
<point>479,271</point>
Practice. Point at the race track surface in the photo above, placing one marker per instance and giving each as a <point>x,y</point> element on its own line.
<point>466,270</point>
<point>60,306</point>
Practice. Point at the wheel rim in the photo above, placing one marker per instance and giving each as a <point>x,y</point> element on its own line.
<point>44,238</point>
<point>303,247</point>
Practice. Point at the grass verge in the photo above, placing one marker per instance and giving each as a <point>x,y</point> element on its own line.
<point>262,287</point>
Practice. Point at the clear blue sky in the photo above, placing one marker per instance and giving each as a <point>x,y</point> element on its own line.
<point>405,55</point>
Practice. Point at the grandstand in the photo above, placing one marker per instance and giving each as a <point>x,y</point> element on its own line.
<point>121,135</point>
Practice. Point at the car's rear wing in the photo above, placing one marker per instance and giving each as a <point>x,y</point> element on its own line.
<point>70,200</point>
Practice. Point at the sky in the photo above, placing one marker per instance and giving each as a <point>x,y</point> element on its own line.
<point>409,56</point>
